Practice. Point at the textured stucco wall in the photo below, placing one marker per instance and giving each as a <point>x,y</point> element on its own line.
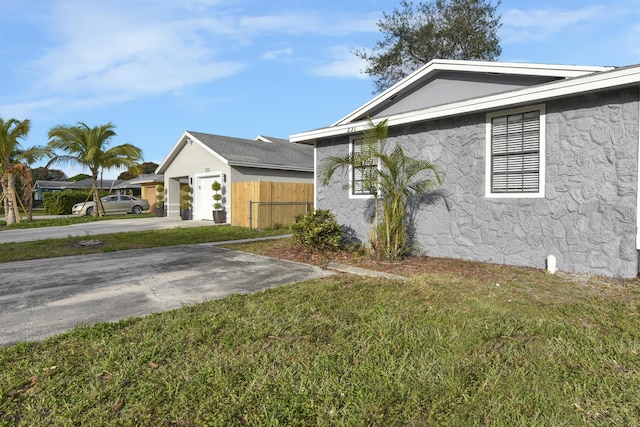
<point>587,219</point>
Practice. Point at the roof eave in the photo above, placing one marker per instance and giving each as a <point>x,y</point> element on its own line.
<point>186,136</point>
<point>439,65</point>
<point>270,166</point>
<point>590,83</point>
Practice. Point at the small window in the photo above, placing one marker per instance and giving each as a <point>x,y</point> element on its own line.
<point>363,171</point>
<point>515,153</point>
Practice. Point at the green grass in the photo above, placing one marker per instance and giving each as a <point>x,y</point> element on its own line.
<point>509,347</point>
<point>66,220</point>
<point>131,240</point>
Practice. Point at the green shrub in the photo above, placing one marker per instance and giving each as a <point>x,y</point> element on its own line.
<point>317,230</point>
<point>160,196</point>
<point>61,202</point>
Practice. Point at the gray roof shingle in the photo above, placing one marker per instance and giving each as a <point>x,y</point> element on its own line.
<point>278,154</point>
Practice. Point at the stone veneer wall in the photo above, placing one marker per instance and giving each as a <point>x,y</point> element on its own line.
<point>587,219</point>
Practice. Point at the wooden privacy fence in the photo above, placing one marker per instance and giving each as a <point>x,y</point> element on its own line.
<point>264,204</point>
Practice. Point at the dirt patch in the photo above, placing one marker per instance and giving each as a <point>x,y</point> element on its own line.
<point>414,265</point>
<point>409,266</point>
<point>91,243</point>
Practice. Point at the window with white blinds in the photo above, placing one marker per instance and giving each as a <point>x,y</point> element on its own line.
<point>515,153</point>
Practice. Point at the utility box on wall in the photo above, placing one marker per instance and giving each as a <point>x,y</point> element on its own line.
<point>265,204</point>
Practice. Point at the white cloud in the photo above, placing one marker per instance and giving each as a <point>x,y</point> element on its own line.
<point>344,64</point>
<point>130,55</point>
<point>278,54</point>
<point>96,52</point>
<point>538,24</point>
<point>308,23</point>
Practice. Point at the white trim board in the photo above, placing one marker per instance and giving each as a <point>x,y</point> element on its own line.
<point>436,66</point>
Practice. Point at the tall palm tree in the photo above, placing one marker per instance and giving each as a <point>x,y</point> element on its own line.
<point>88,147</point>
<point>14,159</point>
<point>392,178</point>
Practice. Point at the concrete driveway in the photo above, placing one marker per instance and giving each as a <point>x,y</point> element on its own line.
<point>44,297</point>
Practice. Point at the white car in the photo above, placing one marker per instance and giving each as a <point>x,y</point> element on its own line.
<point>116,204</point>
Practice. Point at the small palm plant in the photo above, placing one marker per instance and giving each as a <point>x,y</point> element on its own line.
<point>396,179</point>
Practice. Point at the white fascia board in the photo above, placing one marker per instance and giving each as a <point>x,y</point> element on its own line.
<point>262,138</point>
<point>179,145</point>
<point>169,158</point>
<point>439,65</point>
<point>590,83</point>
<point>267,166</point>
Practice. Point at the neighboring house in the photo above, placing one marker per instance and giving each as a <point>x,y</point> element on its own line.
<point>537,160</point>
<point>199,159</point>
<point>113,185</point>
<point>149,184</point>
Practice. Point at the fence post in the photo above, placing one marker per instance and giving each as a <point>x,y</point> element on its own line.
<point>250,215</point>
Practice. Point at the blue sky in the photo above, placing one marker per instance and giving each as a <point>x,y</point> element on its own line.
<point>156,68</point>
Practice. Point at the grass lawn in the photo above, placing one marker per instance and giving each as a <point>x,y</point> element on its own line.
<point>477,344</point>
<point>131,240</point>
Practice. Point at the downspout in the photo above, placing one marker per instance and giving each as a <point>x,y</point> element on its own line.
<point>315,175</point>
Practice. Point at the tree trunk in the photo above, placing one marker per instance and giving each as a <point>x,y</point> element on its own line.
<point>3,197</point>
<point>11,200</point>
<point>98,209</point>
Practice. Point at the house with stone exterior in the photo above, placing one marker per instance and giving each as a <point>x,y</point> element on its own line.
<point>540,162</point>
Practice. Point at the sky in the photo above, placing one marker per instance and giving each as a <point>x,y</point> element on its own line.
<point>242,68</point>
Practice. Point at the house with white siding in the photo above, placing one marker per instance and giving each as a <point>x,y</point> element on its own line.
<point>198,159</point>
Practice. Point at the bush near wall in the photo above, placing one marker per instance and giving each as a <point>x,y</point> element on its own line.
<point>317,230</point>
<point>61,202</point>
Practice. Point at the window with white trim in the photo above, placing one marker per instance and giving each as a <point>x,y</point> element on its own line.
<point>363,169</point>
<point>515,153</point>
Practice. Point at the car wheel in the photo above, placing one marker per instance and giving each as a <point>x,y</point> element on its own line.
<point>137,209</point>
<point>89,211</point>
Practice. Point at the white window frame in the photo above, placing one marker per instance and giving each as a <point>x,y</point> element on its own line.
<point>352,195</point>
<point>542,150</point>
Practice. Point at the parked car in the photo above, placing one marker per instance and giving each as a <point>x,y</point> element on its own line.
<point>116,204</point>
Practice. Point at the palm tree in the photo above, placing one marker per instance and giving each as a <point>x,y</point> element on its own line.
<point>392,178</point>
<point>87,147</point>
<point>14,160</point>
